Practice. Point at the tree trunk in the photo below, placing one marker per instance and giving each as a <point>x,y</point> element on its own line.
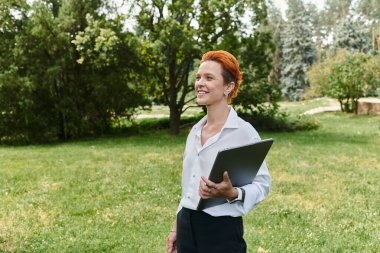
<point>341,105</point>
<point>62,126</point>
<point>175,120</point>
<point>319,48</point>
<point>373,40</point>
<point>355,105</point>
<point>175,114</point>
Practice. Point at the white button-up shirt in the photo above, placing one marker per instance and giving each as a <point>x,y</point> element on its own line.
<point>198,161</point>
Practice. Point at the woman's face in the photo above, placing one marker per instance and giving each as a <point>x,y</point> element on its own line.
<point>209,84</point>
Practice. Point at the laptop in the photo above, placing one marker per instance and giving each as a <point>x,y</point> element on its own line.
<point>242,164</point>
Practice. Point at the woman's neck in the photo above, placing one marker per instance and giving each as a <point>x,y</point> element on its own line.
<point>217,115</point>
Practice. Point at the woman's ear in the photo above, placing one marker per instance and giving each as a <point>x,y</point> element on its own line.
<point>230,88</point>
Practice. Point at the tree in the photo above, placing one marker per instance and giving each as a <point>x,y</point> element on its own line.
<point>110,54</point>
<point>333,12</point>
<point>352,35</point>
<point>371,75</point>
<point>45,55</point>
<point>15,103</point>
<point>176,33</point>
<point>260,91</point>
<point>64,92</point>
<point>14,90</point>
<point>297,51</point>
<point>319,31</point>
<point>346,76</point>
<point>370,9</point>
<point>276,25</point>
<point>319,73</point>
<point>345,81</point>
<point>12,16</point>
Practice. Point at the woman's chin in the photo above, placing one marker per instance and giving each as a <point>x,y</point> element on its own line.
<point>201,101</point>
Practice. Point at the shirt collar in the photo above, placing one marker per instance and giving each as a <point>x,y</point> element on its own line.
<point>231,122</point>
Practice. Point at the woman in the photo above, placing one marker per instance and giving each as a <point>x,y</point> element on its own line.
<point>220,228</point>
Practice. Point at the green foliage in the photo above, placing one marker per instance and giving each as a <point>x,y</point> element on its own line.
<point>154,124</point>
<point>15,103</point>
<point>352,35</point>
<point>79,70</point>
<point>346,77</point>
<point>334,11</point>
<point>257,95</point>
<point>371,75</point>
<point>258,98</point>
<point>176,33</point>
<point>75,69</point>
<point>110,54</point>
<point>371,11</point>
<point>297,51</point>
<point>98,43</point>
<point>346,81</point>
<point>268,120</point>
<point>275,26</point>
<point>277,121</point>
<point>318,75</point>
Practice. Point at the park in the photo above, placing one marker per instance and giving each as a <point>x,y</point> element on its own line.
<point>119,194</point>
<point>96,104</point>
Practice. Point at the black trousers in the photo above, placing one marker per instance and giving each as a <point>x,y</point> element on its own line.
<point>199,232</point>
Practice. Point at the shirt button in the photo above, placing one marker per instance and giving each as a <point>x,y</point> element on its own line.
<point>188,197</point>
<point>193,175</point>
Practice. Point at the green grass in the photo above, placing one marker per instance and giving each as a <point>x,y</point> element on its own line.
<point>120,194</point>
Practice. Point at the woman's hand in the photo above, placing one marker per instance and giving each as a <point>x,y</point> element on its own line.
<point>171,242</point>
<point>209,189</point>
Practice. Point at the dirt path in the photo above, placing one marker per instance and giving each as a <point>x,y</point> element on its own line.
<point>322,109</point>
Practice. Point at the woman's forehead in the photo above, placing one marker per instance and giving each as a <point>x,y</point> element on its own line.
<point>211,67</point>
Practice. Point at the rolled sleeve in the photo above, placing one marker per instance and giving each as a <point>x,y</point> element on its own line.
<point>257,191</point>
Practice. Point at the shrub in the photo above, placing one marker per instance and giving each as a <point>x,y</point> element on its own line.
<point>318,75</point>
<point>280,122</point>
<point>347,77</point>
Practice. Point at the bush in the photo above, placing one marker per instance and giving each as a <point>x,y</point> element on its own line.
<point>347,77</point>
<point>152,124</point>
<point>258,98</point>
<point>269,121</point>
<point>318,76</point>
<point>280,122</point>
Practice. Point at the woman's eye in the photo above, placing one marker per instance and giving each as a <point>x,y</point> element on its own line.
<point>198,78</point>
<point>209,78</point>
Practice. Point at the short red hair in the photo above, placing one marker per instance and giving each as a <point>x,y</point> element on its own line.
<point>231,71</point>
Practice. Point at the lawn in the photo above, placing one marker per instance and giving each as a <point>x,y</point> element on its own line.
<point>120,194</point>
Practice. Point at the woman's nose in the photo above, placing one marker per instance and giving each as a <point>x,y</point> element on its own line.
<point>200,82</point>
<point>199,85</point>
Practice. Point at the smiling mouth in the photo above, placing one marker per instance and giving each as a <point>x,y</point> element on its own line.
<point>202,92</point>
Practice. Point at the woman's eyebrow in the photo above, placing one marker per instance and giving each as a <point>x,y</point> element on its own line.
<point>205,73</point>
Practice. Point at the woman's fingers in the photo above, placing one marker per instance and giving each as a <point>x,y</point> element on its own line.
<point>208,183</point>
<point>204,190</point>
<point>208,189</point>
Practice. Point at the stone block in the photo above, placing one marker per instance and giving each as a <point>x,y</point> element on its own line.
<point>369,106</point>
